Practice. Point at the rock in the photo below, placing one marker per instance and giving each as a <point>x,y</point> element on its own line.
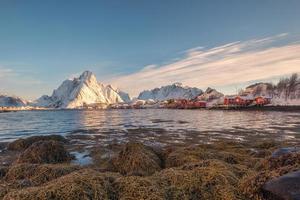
<point>136,187</point>
<point>3,171</point>
<point>210,179</point>
<point>45,152</point>
<point>22,144</point>
<point>85,184</point>
<point>284,151</point>
<point>137,159</point>
<point>285,187</point>
<point>288,159</point>
<point>38,174</point>
<point>268,169</point>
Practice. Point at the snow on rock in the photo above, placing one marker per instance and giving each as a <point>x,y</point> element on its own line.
<point>212,97</point>
<point>124,96</point>
<point>12,101</point>
<point>80,92</point>
<point>210,94</point>
<point>174,91</point>
<point>259,89</point>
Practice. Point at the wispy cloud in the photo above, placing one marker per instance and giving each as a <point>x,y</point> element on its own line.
<point>5,72</point>
<point>18,82</point>
<point>232,63</point>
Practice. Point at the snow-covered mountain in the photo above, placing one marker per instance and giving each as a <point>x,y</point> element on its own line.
<point>174,91</point>
<point>210,94</point>
<point>259,89</point>
<point>12,101</point>
<point>79,92</point>
<point>124,96</point>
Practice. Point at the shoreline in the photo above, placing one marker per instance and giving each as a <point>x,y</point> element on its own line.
<point>135,170</point>
<point>262,108</point>
<point>279,108</point>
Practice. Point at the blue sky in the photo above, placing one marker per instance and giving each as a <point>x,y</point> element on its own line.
<point>44,42</point>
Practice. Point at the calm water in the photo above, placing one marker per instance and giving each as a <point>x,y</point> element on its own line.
<point>151,126</point>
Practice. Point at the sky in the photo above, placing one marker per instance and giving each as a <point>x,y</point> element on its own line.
<point>138,44</point>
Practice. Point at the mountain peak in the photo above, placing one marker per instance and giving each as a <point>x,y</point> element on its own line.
<point>87,75</point>
<point>79,92</point>
<point>178,84</point>
<point>209,90</point>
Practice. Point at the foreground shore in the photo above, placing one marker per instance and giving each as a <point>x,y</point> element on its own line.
<point>43,167</point>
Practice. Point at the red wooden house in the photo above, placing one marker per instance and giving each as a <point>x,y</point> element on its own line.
<point>246,100</point>
<point>238,100</point>
<point>260,100</point>
<point>186,104</point>
<point>196,104</point>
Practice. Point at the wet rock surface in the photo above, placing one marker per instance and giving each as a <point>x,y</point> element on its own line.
<point>286,187</point>
<point>284,151</point>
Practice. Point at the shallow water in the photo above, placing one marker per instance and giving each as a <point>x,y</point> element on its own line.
<point>152,126</point>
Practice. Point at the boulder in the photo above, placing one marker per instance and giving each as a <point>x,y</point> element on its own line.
<point>285,150</point>
<point>37,174</point>
<point>45,152</point>
<point>268,169</point>
<point>137,187</point>
<point>137,159</point>
<point>22,144</point>
<point>85,184</point>
<point>285,187</point>
<point>210,179</point>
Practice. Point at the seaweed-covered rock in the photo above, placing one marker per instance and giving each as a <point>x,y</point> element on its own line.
<point>194,154</point>
<point>285,187</point>
<point>252,184</point>
<point>285,151</point>
<point>136,187</point>
<point>38,174</point>
<point>183,156</point>
<point>137,159</point>
<point>28,175</point>
<point>24,143</point>
<point>45,152</point>
<point>85,184</point>
<point>275,162</point>
<point>205,180</point>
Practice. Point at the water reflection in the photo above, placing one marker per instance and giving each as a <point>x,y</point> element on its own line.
<point>151,126</point>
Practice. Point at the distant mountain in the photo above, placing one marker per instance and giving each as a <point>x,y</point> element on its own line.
<point>81,91</point>
<point>174,91</point>
<point>12,101</point>
<point>259,89</point>
<point>210,94</point>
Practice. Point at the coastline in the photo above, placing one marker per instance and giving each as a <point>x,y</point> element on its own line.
<point>279,108</point>
<point>261,108</point>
